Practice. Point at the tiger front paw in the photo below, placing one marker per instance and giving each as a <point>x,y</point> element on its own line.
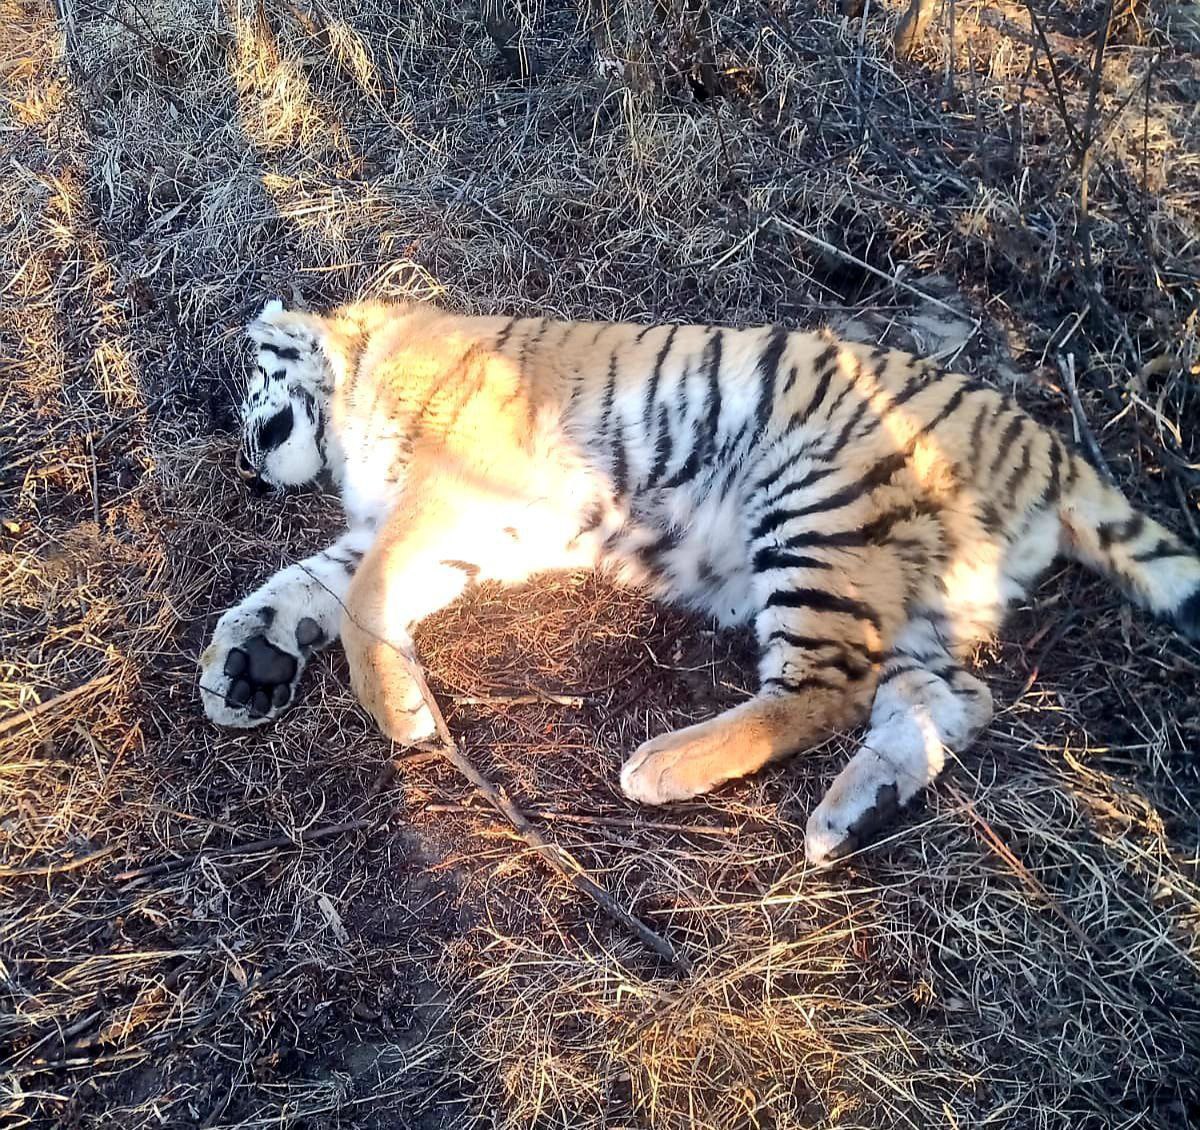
<point>249,672</point>
<point>676,766</point>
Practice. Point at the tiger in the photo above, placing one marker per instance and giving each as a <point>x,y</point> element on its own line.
<point>869,515</point>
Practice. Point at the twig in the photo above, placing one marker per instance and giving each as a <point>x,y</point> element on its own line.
<point>637,825</point>
<point>900,284</point>
<point>57,868</point>
<point>558,858</point>
<point>1066,366</point>
<point>1022,872</point>
<point>517,699</point>
<point>1089,139</point>
<point>388,773</point>
<point>276,843</point>
<point>31,714</point>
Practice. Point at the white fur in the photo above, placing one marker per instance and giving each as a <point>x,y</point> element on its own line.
<point>314,588</point>
<point>916,718</point>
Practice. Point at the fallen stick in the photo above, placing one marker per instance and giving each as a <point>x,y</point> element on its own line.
<point>636,825</point>
<point>517,699</point>
<point>57,868</point>
<point>558,858</point>
<point>1083,430</point>
<point>862,264</point>
<point>276,843</point>
<point>993,840</point>
<point>27,715</point>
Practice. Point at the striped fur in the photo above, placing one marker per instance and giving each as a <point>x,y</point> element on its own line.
<point>869,514</point>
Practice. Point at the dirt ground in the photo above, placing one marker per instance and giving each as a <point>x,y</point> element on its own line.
<point>274,929</point>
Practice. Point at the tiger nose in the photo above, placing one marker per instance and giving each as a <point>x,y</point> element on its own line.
<point>245,468</point>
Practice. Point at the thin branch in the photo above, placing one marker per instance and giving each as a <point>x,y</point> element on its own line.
<point>28,715</point>
<point>1083,429</point>
<point>57,868</point>
<point>561,860</point>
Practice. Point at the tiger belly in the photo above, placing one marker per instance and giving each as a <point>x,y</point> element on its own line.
<point>692,549</point>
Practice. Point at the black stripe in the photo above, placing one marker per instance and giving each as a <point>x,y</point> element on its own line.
<point>799,419</point>
<point>655,376</point>
<point>592,517</point>
<point>772,478</point>
<point>818,600</point>
<point>667,540</point>
<point>712,397</point>
<point>310,402</point>
<point>1018,474</point>
<point>768,375</point>
<point>506,333</point>
<point>620,463</point>
<point>844,435</point>
<point>880,474</point>
<point>826,360</point>
<point>876,531</point>
<point>662,447</point>
<point>610,391</point>
<point>829,539</point>
<point>894,672</point>
<point>531,340</point>
<point>1006,441</point>
<point>1053,487</point>
<point>990,517</point>
<point>808,480</point>
<point>853,669</point>
<point>770,558</point>
<point>687,472</point>
<point>811,643</point>
<point>1128,530</point>
<point>949,408</point>
<point>276,430</point>
<point>912,386</point>
<point>837,403</point>
<point>793,373</point>
<point>1072,471</point>
<point>1162,548</point>
<point>795,686</point>
<point>283,352</point>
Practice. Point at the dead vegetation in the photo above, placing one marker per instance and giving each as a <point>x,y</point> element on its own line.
<point>224,930</point>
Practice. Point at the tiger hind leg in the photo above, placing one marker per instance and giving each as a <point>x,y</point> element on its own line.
<point>926,705</point>
<point>820,654</point>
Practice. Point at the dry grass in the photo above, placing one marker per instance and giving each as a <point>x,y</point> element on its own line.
<point>1023,951</point>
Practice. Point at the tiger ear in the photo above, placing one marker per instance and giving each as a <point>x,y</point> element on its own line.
<point>271,315</point>
<point>274,320</point>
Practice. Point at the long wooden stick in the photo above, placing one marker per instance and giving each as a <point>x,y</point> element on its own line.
<point>561,860</point>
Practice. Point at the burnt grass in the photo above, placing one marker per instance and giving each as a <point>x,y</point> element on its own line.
<point>305,927</point>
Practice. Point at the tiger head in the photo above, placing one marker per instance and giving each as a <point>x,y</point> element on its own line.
<point>285,438</point>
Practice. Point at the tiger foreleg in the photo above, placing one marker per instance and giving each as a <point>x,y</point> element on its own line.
<point>249,671</point>
<point>439,541</point>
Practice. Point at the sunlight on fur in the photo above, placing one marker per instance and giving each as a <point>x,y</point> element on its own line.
<point>871,516</point>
